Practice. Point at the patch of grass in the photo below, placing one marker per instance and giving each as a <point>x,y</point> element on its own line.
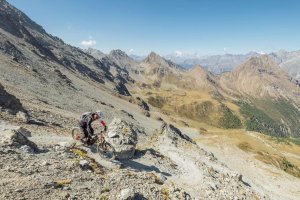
<point>79,152</point>
<point>156,178</point>
<point>257,120</point>
<point>103,197</point>
<point>156,101</point>
<point>63,183</point>
<point>165,192</point>
<point>94,165</point>
<point>228,120</point>
<point>203,129</point>
<point>279,162</point>
<point>105,190</point>
<point>287,141</point>
<point>245,146</point>
<point>284,113</point>
<point>295,141</point>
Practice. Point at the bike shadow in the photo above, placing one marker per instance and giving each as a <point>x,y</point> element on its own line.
<point>133,164</point>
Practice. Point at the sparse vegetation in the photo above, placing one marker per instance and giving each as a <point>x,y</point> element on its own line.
<point>245,146</point>
<point>156,101</point>
<point>165,192</point>
<point>229,119</point>
<point>258,120</point>
<point>63,183</point>
<point>279,162</point>
<point>105,190</point>
<point>79,152</point>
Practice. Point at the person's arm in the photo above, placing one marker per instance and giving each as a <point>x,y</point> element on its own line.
<point>104,125</point>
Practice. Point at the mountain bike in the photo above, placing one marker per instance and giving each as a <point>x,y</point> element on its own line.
<point>104,148</point>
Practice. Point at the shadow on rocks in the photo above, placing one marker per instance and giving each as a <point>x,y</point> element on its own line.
<point>141,167</point>
<point>141,153</point>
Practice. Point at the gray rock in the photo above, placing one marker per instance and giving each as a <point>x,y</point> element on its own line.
<point>174,133</point>
<point>147,114</point>
<point>84,165</point>
<point>178,193</point>
<point>25,132</point>
<point>18,190</point>
<point>66,145</point>
<point>23,117</point>
<point>126,194</point>
<point>15,137</point>
<point>27,149</point>
<point>45,163</point>
<point>123,138</point>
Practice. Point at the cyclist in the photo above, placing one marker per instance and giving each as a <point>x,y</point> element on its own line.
<point>85,123</point>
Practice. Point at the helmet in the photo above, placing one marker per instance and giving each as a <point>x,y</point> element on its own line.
<point>100,114</point>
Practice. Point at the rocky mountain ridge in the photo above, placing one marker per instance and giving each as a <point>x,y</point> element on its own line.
<point>170,110</point>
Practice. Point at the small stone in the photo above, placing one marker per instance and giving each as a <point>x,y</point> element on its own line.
<point>126,194</point>
<point>18,190</point>
<point>84,165</point>
<point>27,149</point>
<point>45,163</point>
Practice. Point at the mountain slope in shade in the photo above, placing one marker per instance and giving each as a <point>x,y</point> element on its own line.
<point>44,66</point>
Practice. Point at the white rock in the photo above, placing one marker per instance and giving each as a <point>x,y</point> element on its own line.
<point>16,137</point>
<point>122,137</point>
<point>84,164</point>
<point>22,117</point>
<point>45,163</point>
<point>126,194</point>
<point>27,149</point>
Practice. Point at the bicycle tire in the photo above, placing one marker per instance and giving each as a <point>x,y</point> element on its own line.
<point>106,150</point>
<point>76,134</point>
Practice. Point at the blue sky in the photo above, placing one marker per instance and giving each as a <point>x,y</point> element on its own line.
<point>165,26</point>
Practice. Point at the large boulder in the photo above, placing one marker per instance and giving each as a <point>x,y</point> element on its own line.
<point>8,101</point>
<point>17,138</point>
<point>122,136</point>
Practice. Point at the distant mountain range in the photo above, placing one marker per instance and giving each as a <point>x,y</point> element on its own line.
<point>217,64</point>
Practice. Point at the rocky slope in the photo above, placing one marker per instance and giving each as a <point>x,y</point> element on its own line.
<point>8,101</point>
<point>64,171</point>
<point>260,77</point>
<point>289,61</point>
<point>273,93</point>
<point>55,83</point>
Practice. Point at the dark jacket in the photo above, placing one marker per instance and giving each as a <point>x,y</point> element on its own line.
<point>86,123</point>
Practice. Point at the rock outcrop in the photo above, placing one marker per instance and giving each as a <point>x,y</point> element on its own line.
<point>122,136</point>
<point>17,138</point>
<point>8,101</point>
<point>173,133</point>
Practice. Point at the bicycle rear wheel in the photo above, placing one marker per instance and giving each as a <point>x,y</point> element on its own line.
<point>77,134</point>
<point>106,150</point>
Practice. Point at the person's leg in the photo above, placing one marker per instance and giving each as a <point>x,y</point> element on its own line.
<point>84,131</point>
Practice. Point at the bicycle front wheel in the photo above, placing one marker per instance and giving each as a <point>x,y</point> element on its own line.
<point>106,150</point>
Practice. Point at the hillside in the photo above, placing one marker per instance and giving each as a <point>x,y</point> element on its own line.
<point>274,96</point>
<point>190,134</point>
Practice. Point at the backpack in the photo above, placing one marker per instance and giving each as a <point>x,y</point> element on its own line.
<point>84,115</point>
